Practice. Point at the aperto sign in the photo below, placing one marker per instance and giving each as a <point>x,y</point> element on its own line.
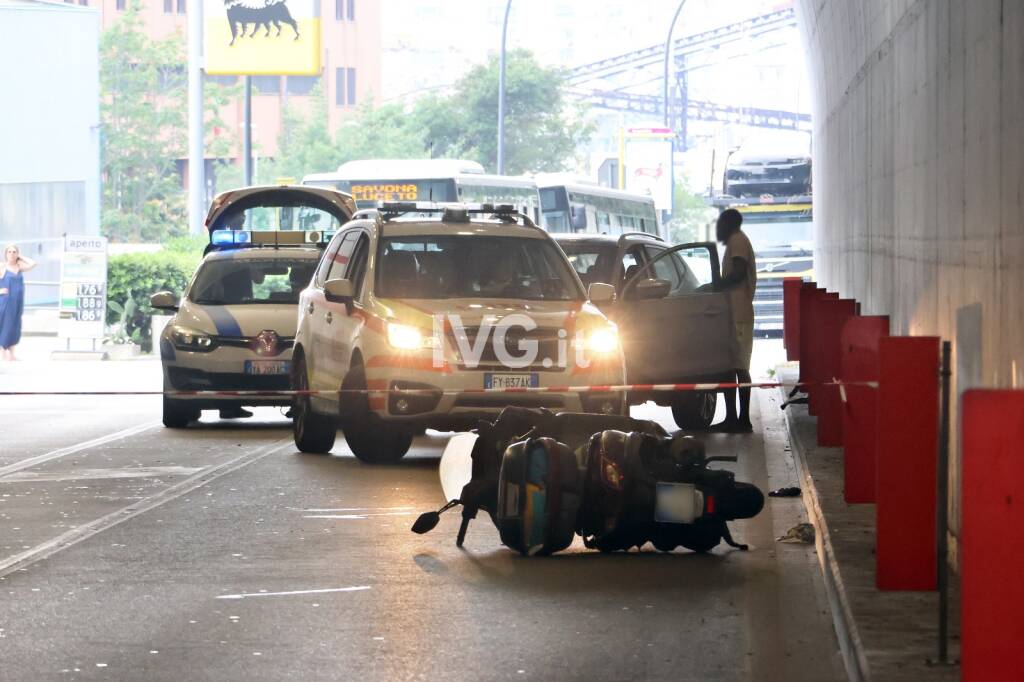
<point>262,37</point>
<point>83,287</point>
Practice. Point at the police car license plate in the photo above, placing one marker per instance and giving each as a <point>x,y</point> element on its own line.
<point>492,380</point>
<point>261,367</point>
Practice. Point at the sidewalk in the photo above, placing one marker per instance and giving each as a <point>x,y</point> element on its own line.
<point>884,635</point>
<point>36,349</point>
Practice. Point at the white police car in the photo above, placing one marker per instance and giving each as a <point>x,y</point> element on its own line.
<point>234,328</point>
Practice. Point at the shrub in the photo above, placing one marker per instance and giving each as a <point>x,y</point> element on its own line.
<point>140,275</point>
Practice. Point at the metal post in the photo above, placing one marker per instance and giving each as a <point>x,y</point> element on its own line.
<point>501,92</point>
<point>247,132</point>
<point>196,157</point>
<point>622,156</point>
<point>668,54</point>
<point>942,502</point>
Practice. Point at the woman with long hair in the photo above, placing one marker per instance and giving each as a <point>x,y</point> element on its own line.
<point>12,298</point>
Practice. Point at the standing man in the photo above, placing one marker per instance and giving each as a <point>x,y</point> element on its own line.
<point>739,278</point>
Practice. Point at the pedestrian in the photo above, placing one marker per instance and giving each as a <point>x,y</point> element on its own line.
<point>739,278</point>
<point>12,298</point>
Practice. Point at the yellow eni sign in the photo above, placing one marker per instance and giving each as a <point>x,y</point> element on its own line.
<point>262,37</point>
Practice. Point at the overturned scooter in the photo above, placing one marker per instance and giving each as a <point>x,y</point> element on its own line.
<point>616,481</point>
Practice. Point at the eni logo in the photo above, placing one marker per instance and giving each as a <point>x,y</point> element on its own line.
<point>241,15</point>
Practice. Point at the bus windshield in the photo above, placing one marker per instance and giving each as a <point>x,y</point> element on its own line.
<point>368,192</point>
<point>768,231</point>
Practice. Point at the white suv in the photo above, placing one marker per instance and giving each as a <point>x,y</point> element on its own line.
<point>425,306</point>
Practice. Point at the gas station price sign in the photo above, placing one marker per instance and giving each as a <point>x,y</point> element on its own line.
<point>90,302</point>
<point>83,287</point>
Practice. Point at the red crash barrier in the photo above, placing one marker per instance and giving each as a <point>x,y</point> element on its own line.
<point>832,315</point>
<point>908,419</point>
<point>991,553</point>
<point>791,317</point>
<point>859,347</point>
<point>811,343</point>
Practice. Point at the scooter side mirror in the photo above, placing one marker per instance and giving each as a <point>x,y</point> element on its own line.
<point>426,522</point>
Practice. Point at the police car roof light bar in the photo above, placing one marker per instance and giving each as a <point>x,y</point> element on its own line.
<point>230,237</point>
<point>234,239</point>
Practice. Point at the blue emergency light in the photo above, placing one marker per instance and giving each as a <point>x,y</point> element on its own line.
<point>230,237</point>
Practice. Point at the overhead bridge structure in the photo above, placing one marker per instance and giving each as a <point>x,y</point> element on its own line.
<point>626,82</point>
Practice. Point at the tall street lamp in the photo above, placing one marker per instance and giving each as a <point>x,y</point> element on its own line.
<point>501,92</point>
<point>665,101</point>
<point>668,52</point>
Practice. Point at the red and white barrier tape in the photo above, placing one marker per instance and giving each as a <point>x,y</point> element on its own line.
<point>613,388</point>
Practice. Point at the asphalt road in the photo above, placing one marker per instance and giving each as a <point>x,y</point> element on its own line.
<point>129,551</point>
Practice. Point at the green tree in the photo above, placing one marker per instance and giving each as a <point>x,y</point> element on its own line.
<point>692,215</point>
<point>383,132</point>
<point>143,111</point>
<point>542,130</point>
<point>305,145</point>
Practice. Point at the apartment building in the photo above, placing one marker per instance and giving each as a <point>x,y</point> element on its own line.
<point>351,74</point>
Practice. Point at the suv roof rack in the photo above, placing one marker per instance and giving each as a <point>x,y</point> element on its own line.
<point>452,212</point>
<point>640,234</point>
<point>365,213</point>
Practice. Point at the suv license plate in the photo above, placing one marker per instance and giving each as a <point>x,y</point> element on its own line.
<point>262,367</point>
<point>531,380</point>
<point>677,503</point>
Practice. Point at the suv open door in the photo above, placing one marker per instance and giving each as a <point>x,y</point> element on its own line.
<point>675,328</point>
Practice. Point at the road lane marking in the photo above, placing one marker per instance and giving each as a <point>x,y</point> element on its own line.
<point>245,595</point>
<point>357,509</point>
<point>98,474</point>
<point>356,516</point>
<point>88,530</point>
<point>72,449</point>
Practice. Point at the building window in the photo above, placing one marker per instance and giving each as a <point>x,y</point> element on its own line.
<point>266,85</point>
<point>345,9</point>
<point>120,5</point>
<point>301,85</point>
<point>345,87</point>
<point>350,10</point>
<point>182,6</point>
<point>339,9</point>
<point>83,3</point>
<point>168,6</point>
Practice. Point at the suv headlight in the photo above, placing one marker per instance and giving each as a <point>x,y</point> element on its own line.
<point>407,337</point>
<point>603,340</point>
<point>184,338</point>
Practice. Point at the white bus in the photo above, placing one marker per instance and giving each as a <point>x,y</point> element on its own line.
<point>441,180</point>
<point>573,206</point>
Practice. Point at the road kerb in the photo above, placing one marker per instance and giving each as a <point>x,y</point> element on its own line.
<point>850,644</point>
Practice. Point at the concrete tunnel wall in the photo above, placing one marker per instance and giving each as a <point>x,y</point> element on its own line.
<point>918,149</point>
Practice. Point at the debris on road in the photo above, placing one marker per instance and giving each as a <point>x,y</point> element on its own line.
<point>801,533</point>
<point>791,491</point>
